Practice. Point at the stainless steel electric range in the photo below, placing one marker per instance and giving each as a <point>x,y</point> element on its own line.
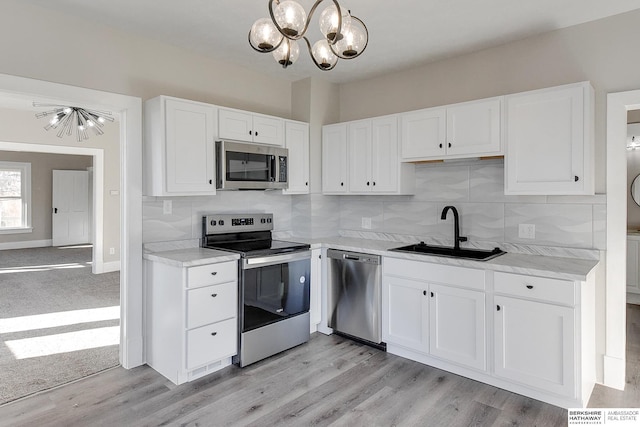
<point>274,283</point>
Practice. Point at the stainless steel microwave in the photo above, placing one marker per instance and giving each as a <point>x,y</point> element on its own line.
<point>246,166</point>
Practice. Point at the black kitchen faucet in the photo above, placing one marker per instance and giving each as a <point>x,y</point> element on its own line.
<point>456,226</point>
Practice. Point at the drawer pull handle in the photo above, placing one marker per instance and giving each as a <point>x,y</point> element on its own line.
<point>213,273</point>
<point>213,334</point>
<point>214,295</point>
<point>529,286</point>
<point>498,307</point>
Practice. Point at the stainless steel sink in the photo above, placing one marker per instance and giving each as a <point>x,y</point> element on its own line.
<point>476,254</point>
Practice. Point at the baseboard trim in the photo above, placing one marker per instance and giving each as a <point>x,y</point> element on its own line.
<point>614,372</point>
<point>26,244</point>
<point>108,267</point>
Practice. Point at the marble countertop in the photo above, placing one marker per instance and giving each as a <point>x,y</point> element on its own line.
<point>535,265</point>
<point>191,257</point>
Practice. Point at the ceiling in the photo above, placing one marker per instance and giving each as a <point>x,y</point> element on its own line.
<point>401,34</point>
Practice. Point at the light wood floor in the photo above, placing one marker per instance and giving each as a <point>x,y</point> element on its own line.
<point>328,381</point>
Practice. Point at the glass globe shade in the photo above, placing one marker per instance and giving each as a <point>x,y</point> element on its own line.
<point>284,56</point>
<point>291,18</point>
<point>323,56</point>
<point>264,36</point>
<point>354,41</point>
<point>329,21</point>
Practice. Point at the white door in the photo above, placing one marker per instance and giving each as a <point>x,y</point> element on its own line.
<point>457,325</point>
<point>360,156</point>
<point>384,162</point>
<point>405,313</point>
<point>334,158</point>
<point>534,344</point>
<point>423,134</point>
<point>70,224</point>
<point>474,128</point>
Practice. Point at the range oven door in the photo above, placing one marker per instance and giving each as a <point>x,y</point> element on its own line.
<point>274,288</point>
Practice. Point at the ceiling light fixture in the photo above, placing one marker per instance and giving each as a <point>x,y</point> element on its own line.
<point>67,118</point>
<point>345,36</point>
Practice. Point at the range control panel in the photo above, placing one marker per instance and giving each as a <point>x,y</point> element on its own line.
<point>232,223</point>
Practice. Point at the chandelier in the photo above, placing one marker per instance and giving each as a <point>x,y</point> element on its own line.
<point>344,35</point>
<point>69,118</point>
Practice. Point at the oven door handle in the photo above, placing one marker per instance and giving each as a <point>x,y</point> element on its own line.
<point>248,263</point>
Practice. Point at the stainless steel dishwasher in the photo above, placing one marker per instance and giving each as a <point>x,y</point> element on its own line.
<point>355,295</point>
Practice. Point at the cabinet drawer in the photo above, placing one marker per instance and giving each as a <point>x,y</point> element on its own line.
<point>211,304</point>
<point>212,274</point>
<point>541,288</point>
<point>212,342</point>
<point>435,273</point>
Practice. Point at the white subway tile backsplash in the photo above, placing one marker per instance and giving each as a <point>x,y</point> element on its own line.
<point>437,182</point>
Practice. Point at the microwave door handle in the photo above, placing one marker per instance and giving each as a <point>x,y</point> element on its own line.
<point>273,170</point>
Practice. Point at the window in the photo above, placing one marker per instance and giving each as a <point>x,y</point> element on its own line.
<point>15,197</point>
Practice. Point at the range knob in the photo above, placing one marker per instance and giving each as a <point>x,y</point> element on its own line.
<point>221,222</point>
<point>269,220</point>
<point>263,220</point>
<point>213,222</point>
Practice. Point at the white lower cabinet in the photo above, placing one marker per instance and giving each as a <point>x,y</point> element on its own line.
<point>534,344</point>
<point>531,335</point>
<point>405,313</point>
<point>192,325</point>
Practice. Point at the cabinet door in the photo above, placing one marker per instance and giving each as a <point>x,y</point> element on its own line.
<point>210,343</point>
<point>334,159</point>
<point>457,325</point>
<point>423,134</point>
<point>384,150</point>
<point>548,146</point>
<point>359,143</point>
<point>268,130</point>
<point>189,147</point>
<point>405,313</point>
<point>534,344</point>
<point>474,128</point>
<point>297,142</point>
<point>236,125</point>
<point>315,303</point>
<point>632,266</point>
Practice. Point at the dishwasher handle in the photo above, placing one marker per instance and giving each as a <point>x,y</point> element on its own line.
<point>353,256</point>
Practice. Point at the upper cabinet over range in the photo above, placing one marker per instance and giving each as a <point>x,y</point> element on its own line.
<point>549,134</point>
<point>249,127</point>
<point>469,129</point>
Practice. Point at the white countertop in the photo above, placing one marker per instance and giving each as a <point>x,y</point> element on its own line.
<point>534,265</point>
<point>191,257</point>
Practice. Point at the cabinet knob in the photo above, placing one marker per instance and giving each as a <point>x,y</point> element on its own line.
<point>256,133</point>
<point>306,183</point>
<point>374,183</point>
<point>432,295</point>
<point>498,307</point>
<point>250,132</point>
<point>213,334</point>
<point>210,181</point>
<point>440,145</point>
<point>214,295</point>
<point>213,273</point>
<point>529,286</point>
<point>424,293</point>
<point>449,145</point>
<point>342,184</point>
<point>367,183</point>
<point>576,178</point>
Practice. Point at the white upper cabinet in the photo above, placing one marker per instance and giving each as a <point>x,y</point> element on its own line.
<point>372,160</point>
<point>549,141</point>
<point>334,159</point>
<point>179,147</point>
<point>467,129</point>
<point>297,142</point>
<point>245,126</point>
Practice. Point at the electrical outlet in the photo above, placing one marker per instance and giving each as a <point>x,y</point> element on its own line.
<point>527,231</point>
<point>167,207</point>
<point>366,223</point>
<point>112,251</point>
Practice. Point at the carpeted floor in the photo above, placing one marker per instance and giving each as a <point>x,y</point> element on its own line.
<point>58,321</point>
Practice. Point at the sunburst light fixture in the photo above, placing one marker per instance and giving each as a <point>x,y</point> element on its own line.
<point>345,36</point>
<point>66,119</point>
